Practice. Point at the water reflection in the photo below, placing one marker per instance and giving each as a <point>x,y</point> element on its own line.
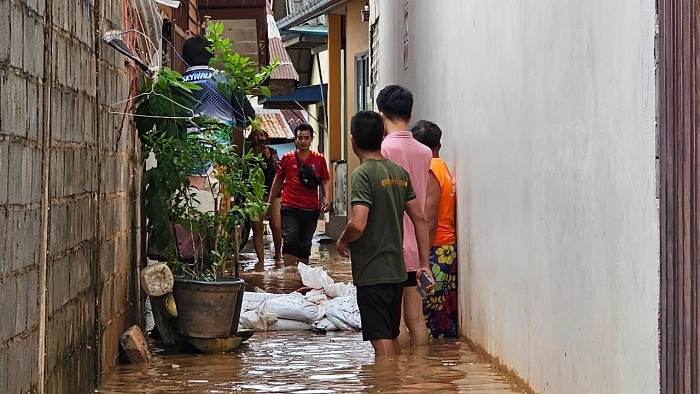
<point>302,362</point>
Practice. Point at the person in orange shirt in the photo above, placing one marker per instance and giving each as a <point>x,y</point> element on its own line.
<point>440,307</point>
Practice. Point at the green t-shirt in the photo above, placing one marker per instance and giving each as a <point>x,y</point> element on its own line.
<point>377,256</point>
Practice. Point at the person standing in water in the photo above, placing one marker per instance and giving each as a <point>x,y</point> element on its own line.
<point>300,203</point>
<point>381,192</point>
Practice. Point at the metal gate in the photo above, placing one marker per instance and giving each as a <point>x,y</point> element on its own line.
<point>679,97</point>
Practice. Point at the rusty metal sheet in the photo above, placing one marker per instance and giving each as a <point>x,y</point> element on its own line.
<point>285,69</point>
<point>274,122</point>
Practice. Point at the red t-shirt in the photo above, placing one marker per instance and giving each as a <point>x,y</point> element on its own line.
<point>294,194</point>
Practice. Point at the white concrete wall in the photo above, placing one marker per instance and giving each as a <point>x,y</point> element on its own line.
<point>548,109</point>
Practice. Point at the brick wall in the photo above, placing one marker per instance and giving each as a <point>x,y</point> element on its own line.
<point>69,233</point>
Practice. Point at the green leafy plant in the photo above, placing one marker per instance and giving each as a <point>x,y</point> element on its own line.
<point>187,147</point>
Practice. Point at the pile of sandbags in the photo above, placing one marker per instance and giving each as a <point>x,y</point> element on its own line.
<point>329,306</point>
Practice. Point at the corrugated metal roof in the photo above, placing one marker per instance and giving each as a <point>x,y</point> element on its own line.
<point>285,70</point>
<point>274,122</point>
<point>303,95</point>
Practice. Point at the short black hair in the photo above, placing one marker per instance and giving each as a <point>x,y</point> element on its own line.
<point>395,102</point>
<point>195,51</point>
<point>427,133</point>
<point>303,127</point>
<point>367,128</point>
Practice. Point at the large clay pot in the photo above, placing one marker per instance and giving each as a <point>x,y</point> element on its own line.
<point>238,306</point>
<point>208,309</point>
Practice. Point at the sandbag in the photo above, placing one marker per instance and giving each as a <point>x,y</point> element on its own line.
<point>295,307</point>
<point>340,290</point>
<point>344,313</point>
<point>316,296</point>
<point>314,277</point>
<point>289,325</point>
<point>324,324</point>
<point>257,319</point>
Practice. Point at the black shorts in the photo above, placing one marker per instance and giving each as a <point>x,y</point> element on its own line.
<point>298,228</point>
<point>411,281</point>
<point>380,310</point>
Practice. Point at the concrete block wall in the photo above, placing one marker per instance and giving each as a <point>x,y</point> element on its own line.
<point>244,37</point>
<point>69,243</point>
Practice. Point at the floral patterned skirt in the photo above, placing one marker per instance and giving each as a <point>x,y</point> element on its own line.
<point>440,307</point>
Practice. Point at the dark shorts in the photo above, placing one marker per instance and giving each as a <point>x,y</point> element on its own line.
<point>411,281</point>
<point>380,310</point>
<point>298,228</point>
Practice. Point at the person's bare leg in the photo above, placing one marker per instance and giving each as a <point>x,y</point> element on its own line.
<point>258,239</point>
<point>290,259</point>
<point>404,339</point>
<point>276,229</point>
<point>397,346</point>
<point>384,348</point>
<point>413,316</point>
<point>305,261</point>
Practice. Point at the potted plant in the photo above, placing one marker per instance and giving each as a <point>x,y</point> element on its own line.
<point>202,190</point>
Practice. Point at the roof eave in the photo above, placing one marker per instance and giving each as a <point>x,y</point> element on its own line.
<point>311,11</point>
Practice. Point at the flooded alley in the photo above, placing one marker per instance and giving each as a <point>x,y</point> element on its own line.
<point>304,362</point>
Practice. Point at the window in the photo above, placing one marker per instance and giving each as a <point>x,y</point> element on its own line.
<point>363,99</point>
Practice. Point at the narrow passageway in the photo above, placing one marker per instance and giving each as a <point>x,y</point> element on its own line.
<point>304,362</point>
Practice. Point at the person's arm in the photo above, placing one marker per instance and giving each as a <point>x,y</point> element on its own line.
<point>357,222</point>
<point>274,159</point>
<point>326,186</point>
<point>325,177</point>
<point>432,205</point>
<point>415,213</point>
<point>275,189</point>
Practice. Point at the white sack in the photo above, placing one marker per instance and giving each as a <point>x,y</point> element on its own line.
<point>295,307</point>
<point>344,313</point>
<point>289,325</point>
<point>314,277</point>
<point>340,290</point>
<point>324,324</point>
<point>257,319</point>
<point>316,296</point>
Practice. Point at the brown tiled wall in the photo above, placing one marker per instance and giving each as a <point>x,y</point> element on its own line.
<point>56,85</point>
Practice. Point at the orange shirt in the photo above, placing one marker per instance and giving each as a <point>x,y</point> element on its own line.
<point>446,231</point>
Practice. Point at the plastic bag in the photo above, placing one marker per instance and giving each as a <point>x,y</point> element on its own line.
<point>314,277</point>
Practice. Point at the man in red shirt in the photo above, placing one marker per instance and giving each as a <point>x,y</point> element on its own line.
<point>300,204</point>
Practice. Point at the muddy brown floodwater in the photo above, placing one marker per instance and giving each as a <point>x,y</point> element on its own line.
<point>303,362</point>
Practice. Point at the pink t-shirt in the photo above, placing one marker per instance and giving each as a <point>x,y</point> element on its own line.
<point>401,148</point>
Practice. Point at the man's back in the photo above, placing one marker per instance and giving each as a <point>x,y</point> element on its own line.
<point>401,148</point>
<point>377,256</point>
<point>214,103</point>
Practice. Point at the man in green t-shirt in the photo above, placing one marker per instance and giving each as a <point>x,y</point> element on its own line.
<point>381,192</point>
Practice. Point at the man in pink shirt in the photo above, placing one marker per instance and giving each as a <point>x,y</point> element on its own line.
<point>395,105</point>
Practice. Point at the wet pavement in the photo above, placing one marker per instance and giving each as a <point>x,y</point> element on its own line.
<point>303,362</point>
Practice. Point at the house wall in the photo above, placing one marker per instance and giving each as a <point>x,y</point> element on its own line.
<point>69,239</point>
<point>356,42</point>
<point>548,110</point>
<point>315,110</point>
